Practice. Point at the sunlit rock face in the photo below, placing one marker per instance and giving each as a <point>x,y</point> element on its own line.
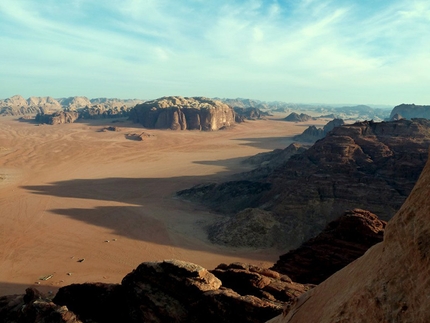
<point>178,113</point>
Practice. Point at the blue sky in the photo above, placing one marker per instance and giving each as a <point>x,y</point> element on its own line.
<point>301,51</point>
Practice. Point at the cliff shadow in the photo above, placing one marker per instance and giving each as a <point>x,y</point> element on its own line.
<point>269,143</point>
<point>142,209</point>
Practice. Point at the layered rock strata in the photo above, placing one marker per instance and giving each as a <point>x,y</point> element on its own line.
<point>389,283</point>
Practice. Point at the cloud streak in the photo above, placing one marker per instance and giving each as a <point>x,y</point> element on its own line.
<point>299,51</point>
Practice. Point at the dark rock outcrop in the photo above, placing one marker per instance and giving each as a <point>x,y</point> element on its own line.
<point>265,163</point>
<point>410,111</point>
<point>342,241</point>
<point>177,291</point>
<point>57,117</point>
<point>243,194</point>
<point>367,165</point>
<point>263,283</point>
<point>295,117</point>
<point>35,308</point>
<point>178,113</point>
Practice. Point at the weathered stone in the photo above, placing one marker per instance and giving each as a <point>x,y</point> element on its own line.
<point>389,283</point>
<point>178,113</point>
<point>33,307</point>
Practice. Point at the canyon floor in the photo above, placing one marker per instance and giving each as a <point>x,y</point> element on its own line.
<point>73,191</point>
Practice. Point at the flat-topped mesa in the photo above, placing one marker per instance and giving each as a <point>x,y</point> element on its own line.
<point>179,113</point>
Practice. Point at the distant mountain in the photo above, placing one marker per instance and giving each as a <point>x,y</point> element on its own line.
<point>295,117</point>
<point>409,111</point>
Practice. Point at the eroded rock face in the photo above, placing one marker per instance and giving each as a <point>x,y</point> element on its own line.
<point>342,241</point>
<point>178,113</point>
<point>249,113</point>
<point>389,283</point>
<point>57,117</point>
<point>177,291</point>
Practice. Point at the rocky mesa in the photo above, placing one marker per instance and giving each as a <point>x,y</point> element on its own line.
<point>179,113</point>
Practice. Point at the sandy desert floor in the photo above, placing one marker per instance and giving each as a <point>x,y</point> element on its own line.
<point>71,192</point>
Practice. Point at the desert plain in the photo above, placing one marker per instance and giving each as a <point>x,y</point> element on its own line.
<point>79,203</point>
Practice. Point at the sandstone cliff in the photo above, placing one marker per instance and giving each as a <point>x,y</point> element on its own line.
<point>409,111</point>
<point>389,283</point>
<point>178,113</point>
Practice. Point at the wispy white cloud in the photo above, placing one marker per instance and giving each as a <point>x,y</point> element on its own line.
<point>281,50</point>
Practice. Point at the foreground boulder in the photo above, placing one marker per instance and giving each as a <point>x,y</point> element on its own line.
<point>178,113</point>
<point>389,283</point>
<point>35,308</point>
<point>342,241</point>
<point>177,291</point>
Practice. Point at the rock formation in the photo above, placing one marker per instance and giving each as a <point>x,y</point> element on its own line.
<point>17,105</point>
<point>312,133</point>
<point>177,291</point>
<point>178,113</point>
<point>249,113</point>
<point>367,165</point>
<point>57,117</point>
<point>295,117</point>
<point>340,243</point>
<point>102,111</point>
<point>389,283</point>
<point>35,308</point>
<point>410,111</point>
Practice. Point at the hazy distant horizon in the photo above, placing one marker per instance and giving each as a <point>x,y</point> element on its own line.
<point>291,51</point>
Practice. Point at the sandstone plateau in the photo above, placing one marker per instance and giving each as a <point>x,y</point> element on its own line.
<point>367,165</point>
<point>389,283</point>
<point>178,113</point>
